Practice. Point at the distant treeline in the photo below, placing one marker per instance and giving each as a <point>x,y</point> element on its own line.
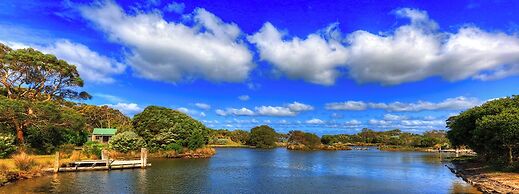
<point>433,138</point>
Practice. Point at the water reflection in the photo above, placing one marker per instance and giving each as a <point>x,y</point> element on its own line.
<point>266,171</point>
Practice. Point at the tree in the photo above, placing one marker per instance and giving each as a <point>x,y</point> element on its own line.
<point>126,141</point>
<point>263,137</point>
<point>104,117</point>
<point>239,136</point>
<point>32,75</point>
<point>491,129</point>
<point>46,127</point>
<point>160,126</point>
<point>309,140</point>
<point>28,76</point>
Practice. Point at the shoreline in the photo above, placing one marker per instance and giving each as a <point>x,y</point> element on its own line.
<point>484,179</point>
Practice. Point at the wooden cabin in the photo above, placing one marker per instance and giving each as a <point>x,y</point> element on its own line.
<point>102,135</point>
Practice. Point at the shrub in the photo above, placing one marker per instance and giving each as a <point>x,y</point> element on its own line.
<point>93,148</point>
<point>126,141</point>
<point>263,137</point>
<point>7,146</point>
<point>24,162</point>
<point>174,146</point>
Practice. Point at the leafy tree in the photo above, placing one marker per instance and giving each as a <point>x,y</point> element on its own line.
<point>160,126</point>
<point>93,148</point>
<point>239,136</point>
<point>490,129</point>
<point>104,117</point>
<point>310,140</point>
<point>32,75</point>
<point>263,137</point>
<point>126,141</point>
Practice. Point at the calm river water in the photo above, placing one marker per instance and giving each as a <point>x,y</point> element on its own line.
<point>235,170</point>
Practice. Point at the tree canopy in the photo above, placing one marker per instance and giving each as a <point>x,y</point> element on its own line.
<point>263,137</point>
<point>160,126</point>
<point>491,130</point>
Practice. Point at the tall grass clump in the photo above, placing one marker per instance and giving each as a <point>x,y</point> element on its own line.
<point>24,162</point>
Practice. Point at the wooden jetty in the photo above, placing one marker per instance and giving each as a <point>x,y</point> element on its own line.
<point>104,164</point>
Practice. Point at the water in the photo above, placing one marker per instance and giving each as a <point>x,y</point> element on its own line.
<point>234,170</point>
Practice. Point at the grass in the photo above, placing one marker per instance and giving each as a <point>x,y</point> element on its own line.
<point>46,160</point>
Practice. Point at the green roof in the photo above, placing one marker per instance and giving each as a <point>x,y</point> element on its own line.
<point>104,131</point>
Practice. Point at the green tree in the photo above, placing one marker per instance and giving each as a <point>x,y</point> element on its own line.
<point>104,117</point>
<point>126,141</point>
<point>491,129</point>
<point>160,126</point>
<point>310,140</point>
<point>263,137</point>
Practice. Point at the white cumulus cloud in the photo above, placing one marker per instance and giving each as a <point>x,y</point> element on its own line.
<point>235,112</point>
<point>348,105</point>
<point>203,106</point>
<point>129,109</point>
<point>171,51</point>
<point>314,59</point>
<point>457,103</point>
<point>314,121</point>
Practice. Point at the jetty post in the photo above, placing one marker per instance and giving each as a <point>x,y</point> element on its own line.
<point>144,157</point>
<point>56,163</point>
<point>105,156</point>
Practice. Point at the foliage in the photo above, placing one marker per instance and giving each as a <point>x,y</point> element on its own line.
<point>309,140</point>
<point>491,130</point>
<point>395,137</point>
<point>104,117</point>
<point>263,137</point>
<point>93,148</point>
<point>174,146</point>
<point>24,162</point>
<point>240,136</point>
<point>160,126</point>
<point>54,125</point>
<point>7,145</point>
<point>29,74</point>
<point>126,141</point>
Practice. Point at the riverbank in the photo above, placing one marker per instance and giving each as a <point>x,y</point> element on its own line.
<point>485,178</point>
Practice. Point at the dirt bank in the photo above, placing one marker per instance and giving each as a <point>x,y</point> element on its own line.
<point>484,178</point>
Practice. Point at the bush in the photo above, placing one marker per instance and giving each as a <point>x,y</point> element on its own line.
<point>24,162</point>
<point>93,148</point>
<point>263,137</point>
<point>7,146</point>
<point>160,126</point>
<point>126,141</point>
<point>174,146</point>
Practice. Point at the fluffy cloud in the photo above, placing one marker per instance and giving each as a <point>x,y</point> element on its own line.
<point>275,111</point>
<point>392,117</point>
<point>348,105</point>
<point>299,107</point>
<point>412,52</point>
<point>291,109</point>
<point>353,122</point>
<point>175,7</point>
<point>170,51</point>
<point>244,97</point>
<point>92,66</point>
<point>314,59</point>
<point>314,121</point>
<point>235,112</point>
<point>203,106</point>
<point>129,109</point>
<point>379,122</point>
<point>418,50</point>
<point>458,103</point>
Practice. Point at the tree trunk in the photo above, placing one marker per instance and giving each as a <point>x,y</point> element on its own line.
<point>511,157</point>
<point>19,134</point>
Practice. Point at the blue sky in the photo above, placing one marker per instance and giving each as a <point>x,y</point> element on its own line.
<point>322,66</point>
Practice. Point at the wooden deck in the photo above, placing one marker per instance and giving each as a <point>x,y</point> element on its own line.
<point>89,165</point>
